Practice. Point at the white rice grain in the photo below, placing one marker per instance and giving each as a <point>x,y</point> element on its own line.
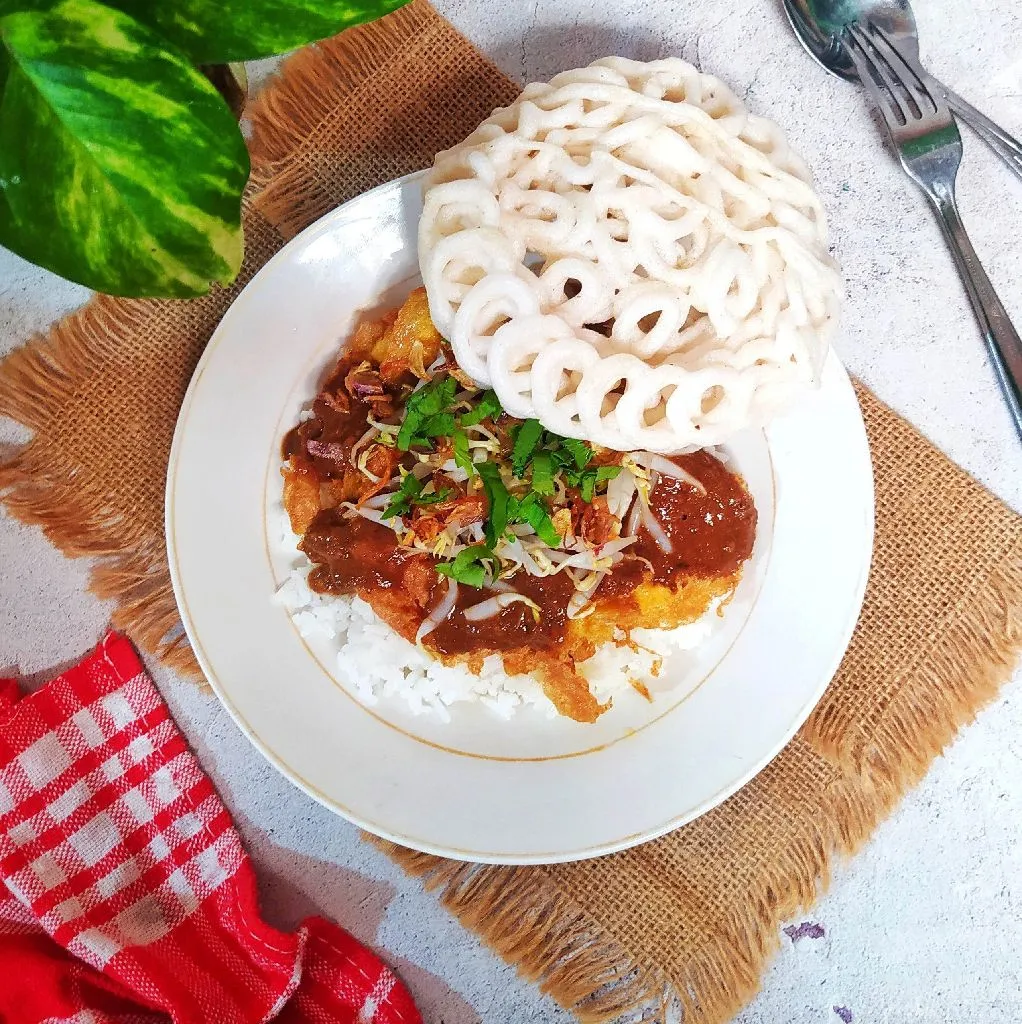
<point>377,663</point>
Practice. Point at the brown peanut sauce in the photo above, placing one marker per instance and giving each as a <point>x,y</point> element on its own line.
<point>338,421</point>
<point>710,535</point>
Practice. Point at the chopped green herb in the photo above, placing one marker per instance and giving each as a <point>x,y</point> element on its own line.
<point>512,517</point>
<point>536,454</point>
<point>410,485</point>
<point>433,498</point>
<point>432,398</point>
<point>411,493</point>
<point>586,482</point>
<point>579,451</point>
<point>498,499</point>
<point>440,424</point>
<point>410,488</point>
<point>543,473</point>
<point>527,439</point>
<point>587,486</point>
<point>532,510</point>
<point>488,407</point>
<point>570,456</point>
<point>467,566</point>
<point>462,455</point>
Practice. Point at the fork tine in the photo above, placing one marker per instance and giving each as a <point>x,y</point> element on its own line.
<point>901,93</point>
<point>907,76</point>
<point>871,76</point>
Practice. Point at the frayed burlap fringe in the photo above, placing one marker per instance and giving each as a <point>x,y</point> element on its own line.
<point>962,672</point>
<point>42,485</point>
<point>100,394</point>
<point>284,118</point>
<point>332,102</point>
<point>524,918</point>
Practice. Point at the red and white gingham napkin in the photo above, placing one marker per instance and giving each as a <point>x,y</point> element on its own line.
<point>127,896</point>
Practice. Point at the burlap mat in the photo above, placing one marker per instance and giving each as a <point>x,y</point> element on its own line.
<point>691,917</point>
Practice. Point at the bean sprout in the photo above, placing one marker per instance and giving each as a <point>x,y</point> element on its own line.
<point>441,610</point>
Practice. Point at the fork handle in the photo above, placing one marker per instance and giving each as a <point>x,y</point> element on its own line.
<point>1006,146</point>
<point>1002,340</point>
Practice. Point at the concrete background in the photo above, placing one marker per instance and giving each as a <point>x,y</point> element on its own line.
<point>925,926</point>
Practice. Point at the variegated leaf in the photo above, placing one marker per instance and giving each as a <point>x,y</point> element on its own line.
<point>220,31</point>
<point>10,6</point>
<point>120,165</point>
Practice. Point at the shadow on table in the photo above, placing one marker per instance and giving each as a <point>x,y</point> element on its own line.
<point>574,45</point>
<point>29,682</point>
<point>356,903</point>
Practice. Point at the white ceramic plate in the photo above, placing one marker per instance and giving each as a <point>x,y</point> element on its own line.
<point>536,789</point>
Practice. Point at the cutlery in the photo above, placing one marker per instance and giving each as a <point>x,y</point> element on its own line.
<point>930,148</point>
<point>819,24</point>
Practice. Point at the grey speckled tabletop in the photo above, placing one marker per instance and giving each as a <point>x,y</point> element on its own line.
<point>925,925</point>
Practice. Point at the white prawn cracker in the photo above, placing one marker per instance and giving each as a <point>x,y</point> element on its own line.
<point>644,199</point>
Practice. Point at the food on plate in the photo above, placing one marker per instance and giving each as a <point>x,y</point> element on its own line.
<point>509,488</point>
<point>628,256</point>
<point>502,555</point>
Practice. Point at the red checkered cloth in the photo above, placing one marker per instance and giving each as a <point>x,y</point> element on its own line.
<point>127,896</point>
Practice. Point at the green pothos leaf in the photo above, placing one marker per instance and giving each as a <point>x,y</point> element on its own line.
<point>10,6</point>
<point>120,166</point>
<point>219,31</point>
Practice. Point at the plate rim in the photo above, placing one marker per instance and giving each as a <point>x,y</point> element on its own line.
<point>301,239</point>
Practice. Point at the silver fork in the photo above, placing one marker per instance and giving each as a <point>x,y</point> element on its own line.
<point>930,149</point>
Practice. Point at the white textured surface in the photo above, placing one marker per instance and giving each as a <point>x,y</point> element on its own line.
<point>770,287</point>
<point>925,925</point>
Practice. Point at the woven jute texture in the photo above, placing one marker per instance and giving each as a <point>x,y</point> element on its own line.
<point>690,919</point>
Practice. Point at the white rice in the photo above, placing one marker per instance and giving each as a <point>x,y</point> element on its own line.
<point>377,663</point>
